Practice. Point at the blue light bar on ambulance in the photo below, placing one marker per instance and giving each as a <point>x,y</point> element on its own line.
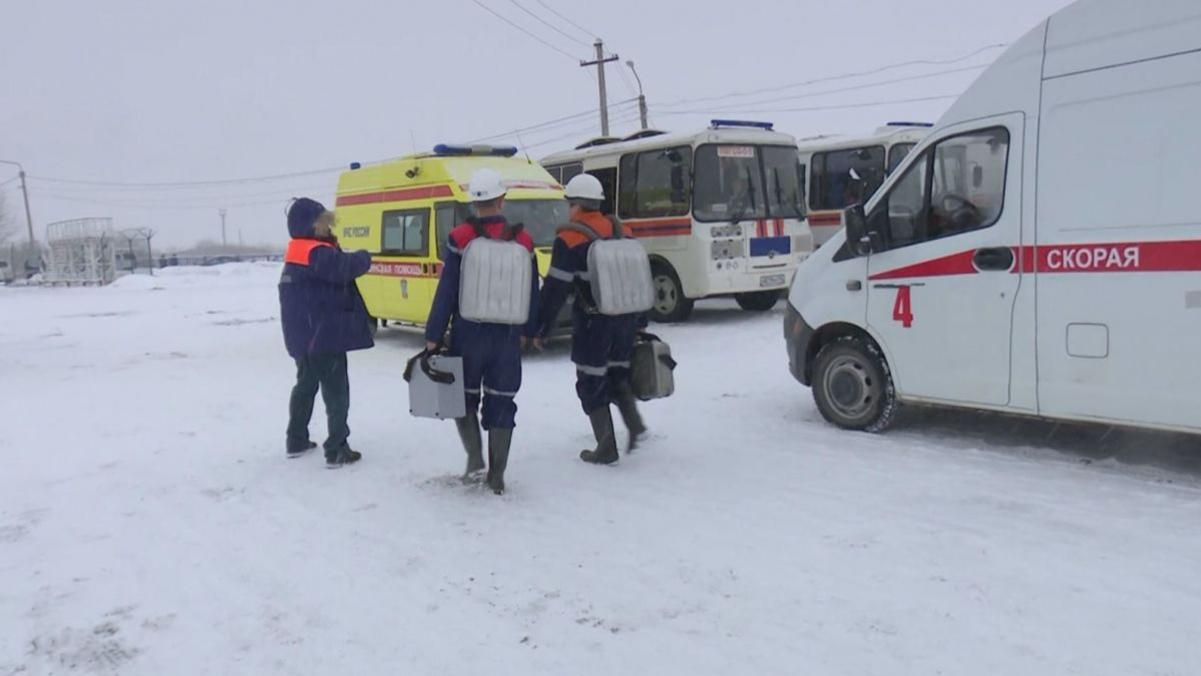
<point>742,123</point>
<point>451,150</point>
<point>910,124</point>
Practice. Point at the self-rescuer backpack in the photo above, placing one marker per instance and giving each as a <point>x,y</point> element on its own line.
<point>619,272</point>
<point>495,280</point>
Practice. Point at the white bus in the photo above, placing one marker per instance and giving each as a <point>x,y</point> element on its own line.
<point>1039,252</point>
<point>720,211</point>
<point>846,170</point>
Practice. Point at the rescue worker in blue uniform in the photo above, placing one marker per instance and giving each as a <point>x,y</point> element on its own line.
<point>323,318</point>
<point>491,352</point>
<point>601,345</point>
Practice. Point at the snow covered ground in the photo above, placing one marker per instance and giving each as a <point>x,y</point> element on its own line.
<point>150,524</point>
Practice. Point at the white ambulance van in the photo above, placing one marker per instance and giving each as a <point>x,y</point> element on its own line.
<point>1039,252</point>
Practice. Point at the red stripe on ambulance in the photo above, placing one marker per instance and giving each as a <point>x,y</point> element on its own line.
<point>1173,256</point>
<point>430,192</point>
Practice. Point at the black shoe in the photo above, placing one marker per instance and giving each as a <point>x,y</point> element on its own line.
<point>606,441</point>
<point>469,434</point>
<point>499,442</point>
<point>344,456</point>
<point>298,451</point>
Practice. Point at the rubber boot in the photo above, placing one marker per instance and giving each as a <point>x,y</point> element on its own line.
<point>499,441</point>
<point>606,440</point>
<point>627,405</point>
<point>469,434</point>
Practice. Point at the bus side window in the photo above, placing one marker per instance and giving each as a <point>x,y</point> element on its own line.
<point>406,233</point>
<point>627,178</point>
<point>570,171</point>
<point>608,180</point>
<point>650,183</point>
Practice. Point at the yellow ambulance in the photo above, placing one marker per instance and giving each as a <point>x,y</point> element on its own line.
<point>403,211</point>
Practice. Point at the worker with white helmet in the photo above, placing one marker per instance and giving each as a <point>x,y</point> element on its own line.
<point>602,344</point>
<point>491,312</point>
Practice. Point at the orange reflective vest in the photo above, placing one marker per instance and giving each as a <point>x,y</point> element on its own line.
<point>300,251</point>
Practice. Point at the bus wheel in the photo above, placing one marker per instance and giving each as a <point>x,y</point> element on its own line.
<point>670,303</point>
<point>852,386</point>
<point>758,301</point>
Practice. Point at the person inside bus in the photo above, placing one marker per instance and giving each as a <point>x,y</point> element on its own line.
<point>491,352</point>
<point>601,345</point>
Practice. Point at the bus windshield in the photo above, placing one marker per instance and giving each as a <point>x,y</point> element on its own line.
<point>542,217</point>
<point>746,182</point>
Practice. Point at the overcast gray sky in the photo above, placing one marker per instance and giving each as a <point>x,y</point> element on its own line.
<point>145,91</point>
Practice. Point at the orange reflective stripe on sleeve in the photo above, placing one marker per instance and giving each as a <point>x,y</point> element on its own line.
<point>301,250</point>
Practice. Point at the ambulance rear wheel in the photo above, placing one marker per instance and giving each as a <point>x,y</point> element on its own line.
<point>670,303</point>
<point>758,301</point>
<point>852,386</point>
<point>373,325</point>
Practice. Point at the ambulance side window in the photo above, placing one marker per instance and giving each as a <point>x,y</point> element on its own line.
<point>956,186</point>
<point>406,233</point>
<point>446,218</point>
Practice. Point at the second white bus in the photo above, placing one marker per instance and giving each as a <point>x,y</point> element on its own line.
<point>720,211</point>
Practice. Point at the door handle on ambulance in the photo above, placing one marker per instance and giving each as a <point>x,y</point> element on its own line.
<point>995,259</point>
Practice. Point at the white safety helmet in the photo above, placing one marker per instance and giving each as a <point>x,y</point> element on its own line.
<point>486,185</point>
<point>585,187</point>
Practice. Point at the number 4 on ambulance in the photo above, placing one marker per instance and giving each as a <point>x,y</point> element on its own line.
<point>902,309</point>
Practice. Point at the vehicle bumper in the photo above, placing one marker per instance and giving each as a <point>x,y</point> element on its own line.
<point>797,337</point>
<point>747,279</point>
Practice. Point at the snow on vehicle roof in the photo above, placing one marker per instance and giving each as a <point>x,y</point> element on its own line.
<point>708,135</point>
<point>889,135</point>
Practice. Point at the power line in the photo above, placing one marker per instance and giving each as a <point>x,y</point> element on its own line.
<point>843,76</point>
<point>865,104</point>
<point>577,26</point>
<point>559,121</point>
<point>153,206</point>
<point>840,90</point>
<point>548,24</point>
<point>576,133</point>
<point>187,184</point>
<point>523,30</point>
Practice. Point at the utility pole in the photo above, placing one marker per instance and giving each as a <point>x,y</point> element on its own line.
<point>600,62</point>
<point>641,96</point>
<point>25,195</point>
<point>223,242</point>
<point>149,251</point>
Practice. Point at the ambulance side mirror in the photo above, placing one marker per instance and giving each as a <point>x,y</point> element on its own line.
<point>858,238</point>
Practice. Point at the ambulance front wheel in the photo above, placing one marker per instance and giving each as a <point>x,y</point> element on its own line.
<point>671,305</point>
<point>373,325</point>
<point>758,301</point>
<point>852,386</point>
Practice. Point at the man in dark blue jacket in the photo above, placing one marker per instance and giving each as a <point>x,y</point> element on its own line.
<point>491,352</point>
<point>323,317</point>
